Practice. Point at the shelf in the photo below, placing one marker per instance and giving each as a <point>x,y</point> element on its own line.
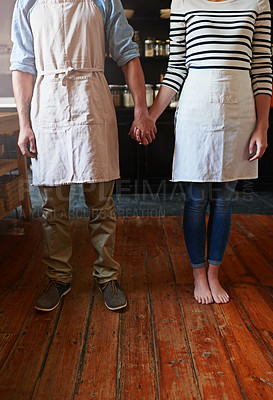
<point>7,166</point>
<point>4,212</point>
<point>142,58</point>
<point>150,20</point>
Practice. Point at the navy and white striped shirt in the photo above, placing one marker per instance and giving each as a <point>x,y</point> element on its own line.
<point>231,34</point>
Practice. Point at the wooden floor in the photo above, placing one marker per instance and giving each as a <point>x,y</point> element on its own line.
<point>164,345</point>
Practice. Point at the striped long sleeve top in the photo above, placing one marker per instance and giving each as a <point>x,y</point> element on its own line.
<point>231,34</point>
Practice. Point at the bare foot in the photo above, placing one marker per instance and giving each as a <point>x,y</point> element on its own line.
<point>218,293</point>
<point>202,292</point>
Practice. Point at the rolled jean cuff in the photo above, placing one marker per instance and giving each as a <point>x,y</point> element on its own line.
<point>214,262</point>
<point>199,266</point>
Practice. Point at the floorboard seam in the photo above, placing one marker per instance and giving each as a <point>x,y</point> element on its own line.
<point>152,319</point>
<point>253,242</point>
<point>245,265</point>
<point>248,317</point>
<point>119,352</point>
<point>27,264</point>
<point>85,339</point>
<point>180,306</point>
<point>47,349</point>
<point>19,336</point>
<point>229,357</point>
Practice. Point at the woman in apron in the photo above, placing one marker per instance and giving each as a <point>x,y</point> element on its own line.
<point>221,58</point>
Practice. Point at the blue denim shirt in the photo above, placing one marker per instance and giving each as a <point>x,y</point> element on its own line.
<point>118,34</point>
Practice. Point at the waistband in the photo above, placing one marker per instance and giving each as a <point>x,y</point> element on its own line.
<point>69,70</point>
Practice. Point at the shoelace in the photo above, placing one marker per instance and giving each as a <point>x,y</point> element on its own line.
<point>114,287</point>
<point>54,283</point>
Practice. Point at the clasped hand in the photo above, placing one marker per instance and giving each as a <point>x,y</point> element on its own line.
<point>143,129</point>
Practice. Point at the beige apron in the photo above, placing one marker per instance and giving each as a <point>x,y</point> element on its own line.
<point>72,112</point>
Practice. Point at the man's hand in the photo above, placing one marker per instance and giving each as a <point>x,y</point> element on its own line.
<point>26,136</point>
<point>259,141</point>
<point>143,129</point>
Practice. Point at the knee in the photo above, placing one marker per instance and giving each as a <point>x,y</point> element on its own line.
<point>222,206</point>
<point>196,205</point>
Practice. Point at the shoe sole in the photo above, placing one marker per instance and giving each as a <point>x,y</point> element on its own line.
<point>116,308</point>
<point>51,309</point>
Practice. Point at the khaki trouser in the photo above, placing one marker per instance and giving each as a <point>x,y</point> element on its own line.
<point>57,235</point>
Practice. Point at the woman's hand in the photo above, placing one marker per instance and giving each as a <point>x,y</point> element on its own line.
<point>258,141</point>
<point>143,129</point>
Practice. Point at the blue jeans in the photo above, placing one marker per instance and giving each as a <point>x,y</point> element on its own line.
<point>198,196</point>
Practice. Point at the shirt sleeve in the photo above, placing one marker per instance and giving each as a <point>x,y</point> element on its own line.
<point>119,34</point>
<point>177,70</point>
<point>261,66</point>
<point>22,55</point>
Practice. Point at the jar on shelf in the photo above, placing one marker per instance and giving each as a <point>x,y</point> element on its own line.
<point>149,95</point>
<point>167,47</point>
<point>157,87</point>
<point>128,100</point>
<point>175,100</point>
<point>158,48</point>
<point>149,47</point>
<point>138,41</point>
<point>116,92</point>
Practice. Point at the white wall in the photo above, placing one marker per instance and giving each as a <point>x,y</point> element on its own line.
<point>6,10</point>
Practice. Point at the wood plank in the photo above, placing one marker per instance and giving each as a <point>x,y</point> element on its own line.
<point>252,258</point>
<point>256,235</point>
<point>212,364</point>
<point>176,244</point>
<point>256,303</point>
<point>9,123</point>
<point>67,342</point>
<point>7,165</point>
<point>176,374</point>
<point>19,258</point>
<point>250,365</point>
<point>265,222</point>
<point>234,269</point>
<point>97,374</point>
<point>137,359</point>
<point>7,341</point>
<point>214,372</point>
<point>25,361</point>
<point>12,231</point>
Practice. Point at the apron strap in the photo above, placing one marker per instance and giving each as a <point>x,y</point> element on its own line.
<point>69,70</point>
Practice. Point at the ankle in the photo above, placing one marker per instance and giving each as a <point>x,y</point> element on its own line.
<point>199,273</point>
<point>213,271</point>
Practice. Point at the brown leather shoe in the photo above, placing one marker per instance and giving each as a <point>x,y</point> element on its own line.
<point>113,295</point>
<point>52,295</point>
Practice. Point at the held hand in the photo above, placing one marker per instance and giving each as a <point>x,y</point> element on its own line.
<point>143,129</point>
<point>259,141</point>
<point>26,136</point>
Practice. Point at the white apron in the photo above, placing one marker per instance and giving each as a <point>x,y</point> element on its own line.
<point>72,113</point>
<point>214,122</point>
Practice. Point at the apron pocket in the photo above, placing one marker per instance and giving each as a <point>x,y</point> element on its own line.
<point>52,103</point>
<point>224,87</point>
<point>84,94</point>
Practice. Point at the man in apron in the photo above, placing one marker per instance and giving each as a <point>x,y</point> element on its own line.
<point>69,123</point>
